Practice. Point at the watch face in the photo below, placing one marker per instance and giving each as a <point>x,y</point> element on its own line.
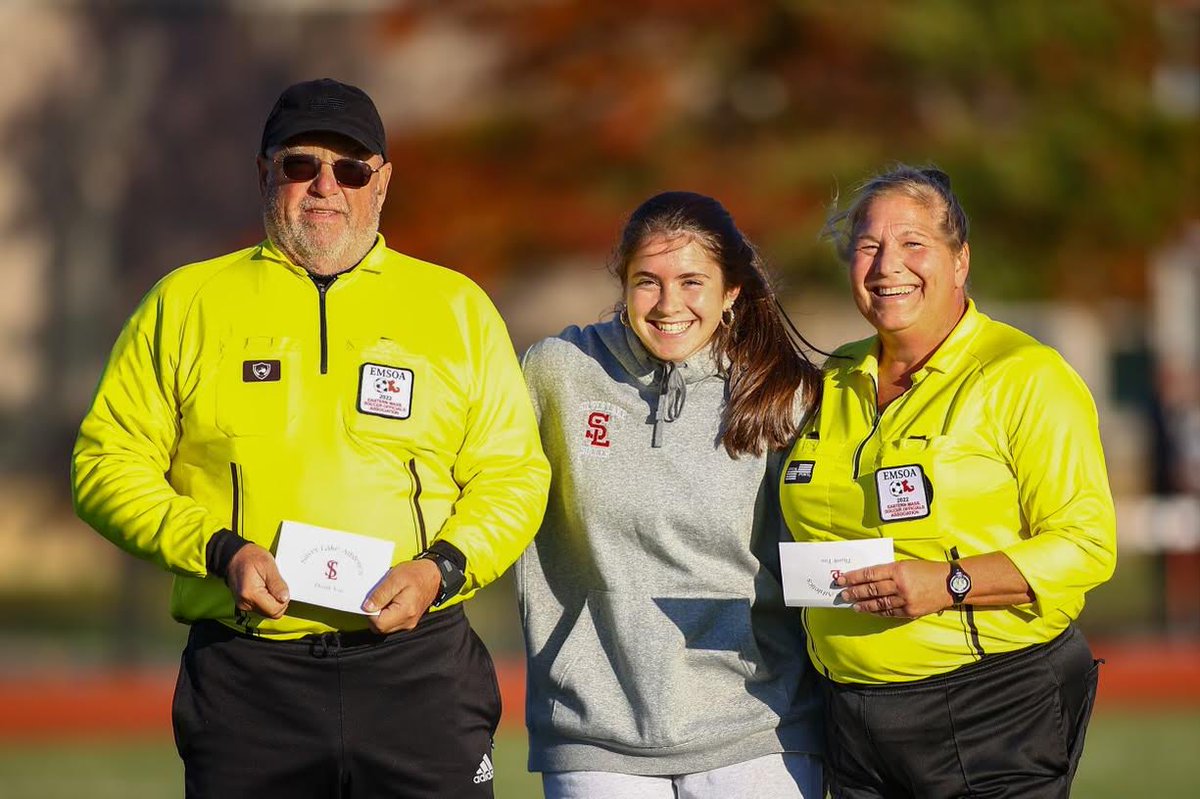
<point>960,583</point>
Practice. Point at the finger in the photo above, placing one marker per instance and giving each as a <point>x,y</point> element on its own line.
<point>889,605</point>
<point>867,591</point>
<point>258,601</point>
<point>390,620</point>
<point>383,594</point>
<point>266,604</point>
<point>276,586</point>
<point>394,617</point>
<point>268,591</point>
<point>246,589</point>
<point>868,574</point>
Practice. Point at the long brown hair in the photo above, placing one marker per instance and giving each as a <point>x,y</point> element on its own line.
<point>765,354</point>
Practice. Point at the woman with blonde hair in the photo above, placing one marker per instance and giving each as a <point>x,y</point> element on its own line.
<point>976,449</point>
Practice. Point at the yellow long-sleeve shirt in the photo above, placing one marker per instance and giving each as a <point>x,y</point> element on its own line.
<point>1003,435</point>
<point>241,394</point>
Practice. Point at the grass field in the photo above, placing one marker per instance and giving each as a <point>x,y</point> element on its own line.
<point>1128,754</point>
<point>150,769</point>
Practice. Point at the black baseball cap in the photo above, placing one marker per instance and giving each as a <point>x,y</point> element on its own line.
<point>327,106</point>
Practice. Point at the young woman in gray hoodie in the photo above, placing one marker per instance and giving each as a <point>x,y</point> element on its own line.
<point>661,659</point>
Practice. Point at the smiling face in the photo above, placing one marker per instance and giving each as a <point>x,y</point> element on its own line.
<point>674,295</point>
<point>321,225</point>
<point>908,279</point>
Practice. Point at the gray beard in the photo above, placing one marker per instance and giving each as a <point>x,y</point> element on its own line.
<point>296,241</point>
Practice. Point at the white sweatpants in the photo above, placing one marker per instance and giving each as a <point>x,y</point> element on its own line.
<point>781,776</point>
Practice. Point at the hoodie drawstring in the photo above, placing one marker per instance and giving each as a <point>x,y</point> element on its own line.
<point>671,395</point>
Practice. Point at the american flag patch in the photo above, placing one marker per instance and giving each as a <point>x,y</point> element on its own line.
<point>799,472</point>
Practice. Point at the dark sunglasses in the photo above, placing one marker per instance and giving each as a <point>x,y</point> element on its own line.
<point>348,172</point>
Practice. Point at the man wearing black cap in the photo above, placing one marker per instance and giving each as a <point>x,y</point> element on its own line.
<point>320,382</point>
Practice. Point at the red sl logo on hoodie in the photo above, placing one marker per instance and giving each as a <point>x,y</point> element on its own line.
<point>597,432</point>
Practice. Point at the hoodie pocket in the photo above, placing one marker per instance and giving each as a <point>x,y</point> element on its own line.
<point>644,672</point>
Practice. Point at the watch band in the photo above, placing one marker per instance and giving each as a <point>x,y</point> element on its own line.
<point>958,582</point>
<point>452,576</point>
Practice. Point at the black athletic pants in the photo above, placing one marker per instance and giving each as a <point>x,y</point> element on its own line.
<point>1010,725</point>
<point>411,714</point>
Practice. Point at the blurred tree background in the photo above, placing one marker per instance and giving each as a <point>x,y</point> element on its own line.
<point>1044,114</point>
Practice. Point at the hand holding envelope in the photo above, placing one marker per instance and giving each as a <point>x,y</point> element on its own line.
<point>401,599</point>
<point>810,568</point>
<point>254,580</point>
<point>331,568</point>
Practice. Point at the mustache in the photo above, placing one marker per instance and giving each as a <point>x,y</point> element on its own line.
<point>314,205</point>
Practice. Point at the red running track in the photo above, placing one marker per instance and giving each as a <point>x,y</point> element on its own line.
<point>1138,674</point>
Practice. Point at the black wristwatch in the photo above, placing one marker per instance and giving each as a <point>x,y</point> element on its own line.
<point>453,578</point>
<point>958,583</point>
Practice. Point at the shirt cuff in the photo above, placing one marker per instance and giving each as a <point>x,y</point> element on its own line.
<point>220,550</point>
<point>450,553</point>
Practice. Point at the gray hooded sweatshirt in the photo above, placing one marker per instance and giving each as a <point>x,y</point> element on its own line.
<point>657,638</point>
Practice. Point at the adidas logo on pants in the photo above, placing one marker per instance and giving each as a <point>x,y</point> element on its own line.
<point>485,771</point>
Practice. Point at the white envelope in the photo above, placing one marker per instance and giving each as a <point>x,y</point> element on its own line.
<point>331,568</point>
<point>809,568</point>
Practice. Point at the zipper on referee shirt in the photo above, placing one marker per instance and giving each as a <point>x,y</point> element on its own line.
<point>323,282</point>
<point>808,643</point>
<point>419,517</point>
<point>874,427</point>
<point>237,524</point>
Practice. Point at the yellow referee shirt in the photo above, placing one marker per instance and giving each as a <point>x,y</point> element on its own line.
<point>240,395</point>
<point>997,441</point>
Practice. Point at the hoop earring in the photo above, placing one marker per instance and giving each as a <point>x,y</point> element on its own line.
<point>727,317</point>
<point>623,315</point>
